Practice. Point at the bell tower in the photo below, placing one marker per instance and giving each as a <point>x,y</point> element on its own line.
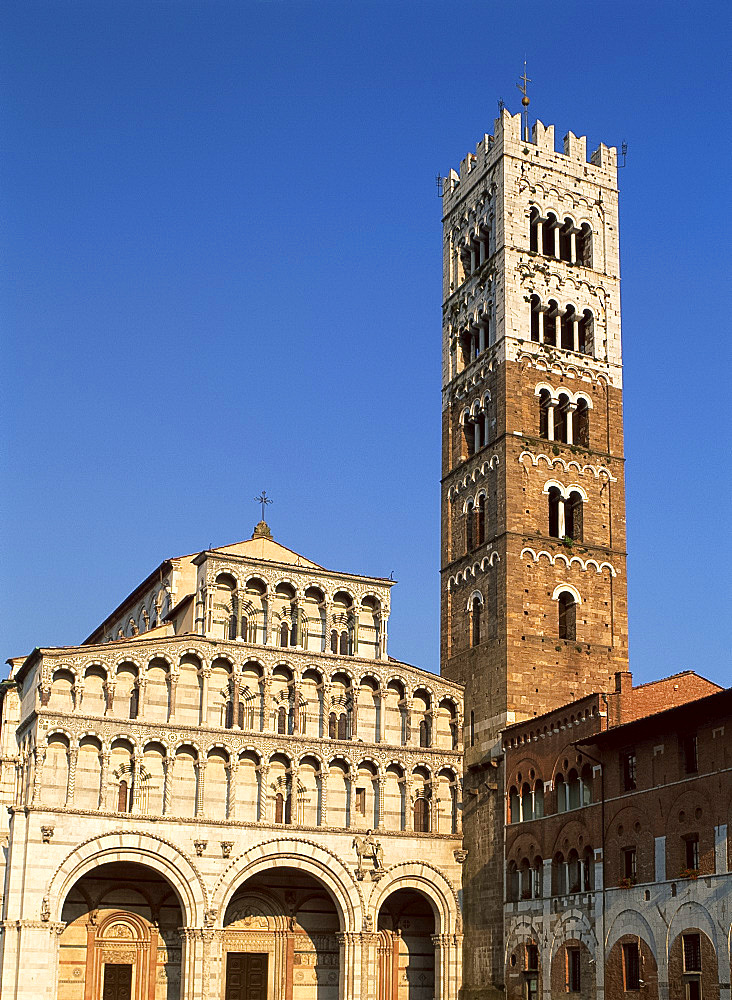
<point>534,605</point>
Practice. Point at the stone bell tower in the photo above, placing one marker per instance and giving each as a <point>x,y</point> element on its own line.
<point>534,605</point>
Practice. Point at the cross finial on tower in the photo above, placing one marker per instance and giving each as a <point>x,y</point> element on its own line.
<point>525,101</point>
<point>264,500</point>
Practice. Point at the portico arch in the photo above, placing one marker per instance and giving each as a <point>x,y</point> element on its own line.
<point>304,856</point>
<point>133,848</point>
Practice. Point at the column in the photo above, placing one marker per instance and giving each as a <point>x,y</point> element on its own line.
<point>561,532</point>
<point>103,772</point>
<point>200,787</point>
<point>481,248</point>
<point>459,805</point>
<point>352,779</point>
<point>382,797</point>
<point>431,790</point>
<point>324,710</point>
<point>141,685</point>
<point>294,803</point>
<point>168,768</point>
<point>555,240</point>
<point>71,783</point>
<point>571,407</point>
<point>540,314</point>
<point>382,715</point>
<point>267,704</point>
<point>408,821</point>
<point>539,235</point>
<point>231,770</point>
<point>550,419</point>
<point>573,246</point>
<point>173,687</point>
<point>354,713</point>
<point>472,257</point>
<point>324,797</point>
<point>481,335</point>
<point>234,699</point>
<point>384,635</point>
<point>575,331</point>
<point>39,758</point>
<point>206,674</point>
<point>263,772</point>
<point>296,708</point>
<point>408,733</point>
<point>136,781</point>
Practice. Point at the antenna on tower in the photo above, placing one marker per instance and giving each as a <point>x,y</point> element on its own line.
<point>623,153</point>
<point>439,181</point>
<point>525,101</point>
<point>501,106</point>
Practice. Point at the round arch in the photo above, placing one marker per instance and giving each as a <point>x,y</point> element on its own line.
<point>304,855</point>
<point>137,848</point>
<point>428,881</point>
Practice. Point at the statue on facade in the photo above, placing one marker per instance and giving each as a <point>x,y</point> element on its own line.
<point>369,848</point>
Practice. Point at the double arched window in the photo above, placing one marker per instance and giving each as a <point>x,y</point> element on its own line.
<point>338,726</point>
<point>565,510</point>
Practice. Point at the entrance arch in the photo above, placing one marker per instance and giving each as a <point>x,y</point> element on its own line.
<point>281,938</point>
<point>122,936</point>
<point>406,952</point>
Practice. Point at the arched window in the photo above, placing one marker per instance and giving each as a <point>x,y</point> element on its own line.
<point>514,806</point>
<point>481,519</point>
<point>567,329</point>
<point>539,799</point>
<point>574,877</point>
<point>475,615</point>
<point>527,805</point>
<point>584,245</point>
<point>332,726</point>
<point>545,402</point>
<point>567,616</point>
<point>561,790</point>
<point>551,317</point>
<point>537,873</point>
<point>559,875</point>
<point>588,873</point>
<point>334,641</point>
<point>565,241</point>
<point>534,227</point>
<point>282,720</point>
<point>586,779</point>
<point>293,634</point>
<point>585,333</point>
<point>343,727</point>
<point>421,816</point>
<point>549,235</point>
<point>279,808</point>
<point>535,318</point>
<point>123,797</point>
<point>343,647</point>
<point>513,882</point>
<point>555,503</point>
<point>284,634</point>
<point>581,423</point>
<point>573,508</point>
<point>469,512</point>
<point>134,701</point>
<point>573,784</point>
<point>424,733</point>
<point>468,436</point>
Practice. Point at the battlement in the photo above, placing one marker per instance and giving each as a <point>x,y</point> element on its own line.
<point>507,138</point>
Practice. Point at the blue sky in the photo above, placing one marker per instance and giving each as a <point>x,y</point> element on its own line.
<point>222,272</point>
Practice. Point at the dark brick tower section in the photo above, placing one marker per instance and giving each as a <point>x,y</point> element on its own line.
<point>534,606</point>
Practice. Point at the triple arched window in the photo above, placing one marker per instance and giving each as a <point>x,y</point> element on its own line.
<point>564,240</point>
<point>478,425</point>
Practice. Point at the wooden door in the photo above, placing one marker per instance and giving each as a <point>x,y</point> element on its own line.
<point>246,976</point>
<point>117,982</point>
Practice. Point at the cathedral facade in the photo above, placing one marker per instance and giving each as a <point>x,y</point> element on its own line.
<point>230,790</point>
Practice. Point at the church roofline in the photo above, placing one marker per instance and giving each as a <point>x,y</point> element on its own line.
<point>164,567</point>
<point>383,581</point>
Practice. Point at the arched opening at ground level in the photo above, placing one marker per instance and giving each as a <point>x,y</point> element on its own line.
<point>406,953</point>
<point>122,936</point>
<point>280,939</point>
